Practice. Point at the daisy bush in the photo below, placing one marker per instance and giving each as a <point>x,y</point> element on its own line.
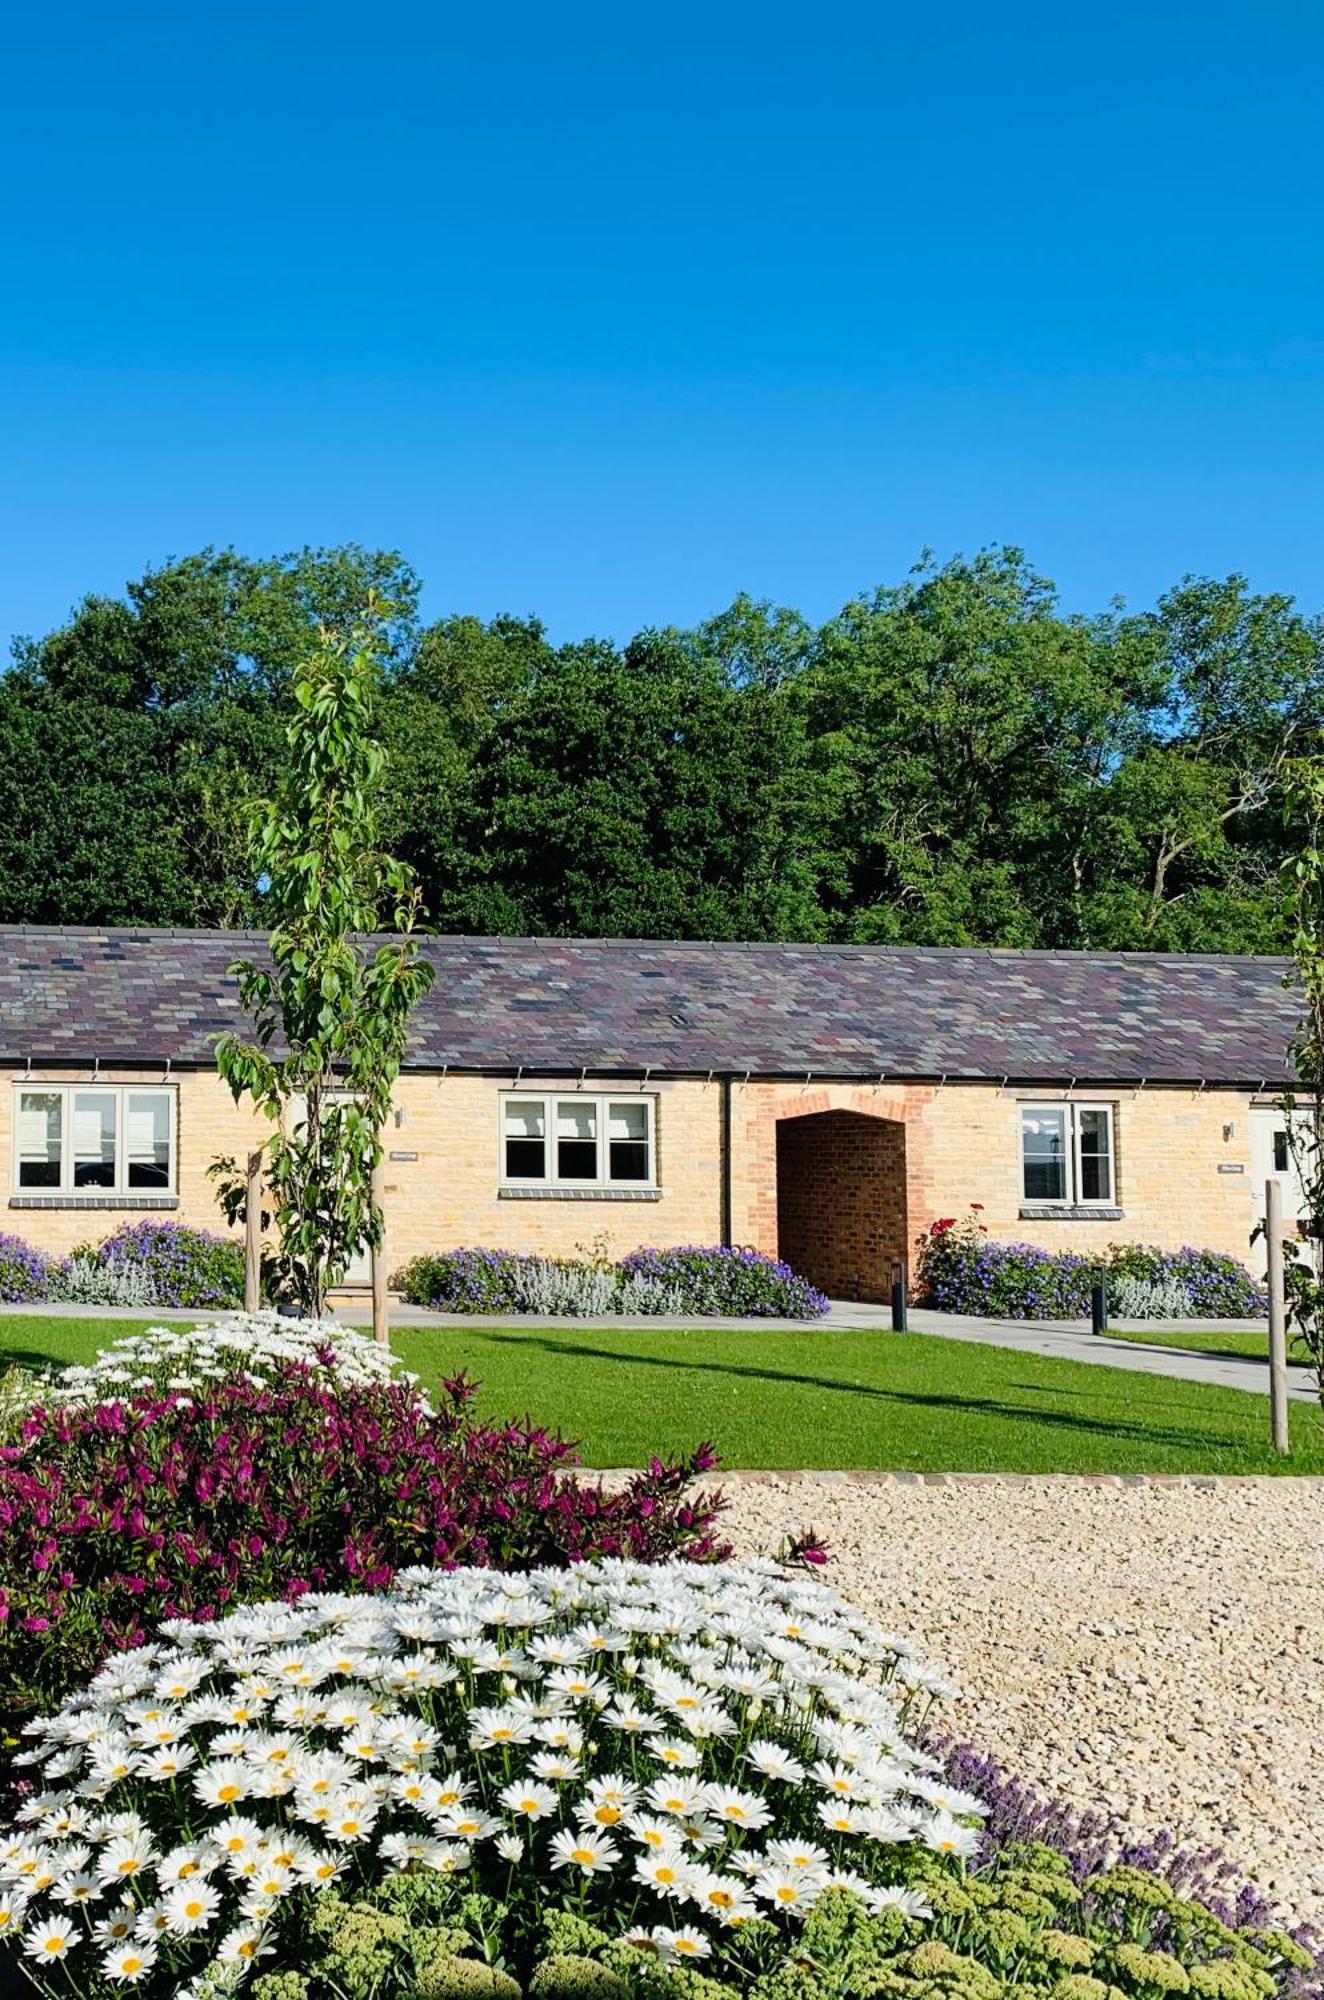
<point>684,1761</point>
<point>254,1347</point>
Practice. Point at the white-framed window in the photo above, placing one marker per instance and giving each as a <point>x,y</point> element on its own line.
<point>1067,1154</point>
<point>74,1138</point>
<point>577,1139</point>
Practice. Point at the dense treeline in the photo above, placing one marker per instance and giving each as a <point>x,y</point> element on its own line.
<point>954,759</point>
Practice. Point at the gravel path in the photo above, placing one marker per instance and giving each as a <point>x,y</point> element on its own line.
<point>1155,1650</point>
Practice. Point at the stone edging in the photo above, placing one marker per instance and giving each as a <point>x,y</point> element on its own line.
<point>810,1476</point>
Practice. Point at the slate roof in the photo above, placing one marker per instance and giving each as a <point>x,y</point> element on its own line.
<point>558,1005</point>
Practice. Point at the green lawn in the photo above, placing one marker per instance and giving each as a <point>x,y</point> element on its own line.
<point>1205,1340</point>
<point>817,1398</point>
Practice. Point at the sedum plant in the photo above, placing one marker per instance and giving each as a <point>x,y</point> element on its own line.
<point>331,1012</point>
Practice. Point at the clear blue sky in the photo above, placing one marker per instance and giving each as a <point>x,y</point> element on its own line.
<point>610,312</point>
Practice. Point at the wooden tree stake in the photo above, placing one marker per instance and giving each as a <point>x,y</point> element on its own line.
<point>1273,1236</point>
<point>381,1323</point>
<point>253,1235</point>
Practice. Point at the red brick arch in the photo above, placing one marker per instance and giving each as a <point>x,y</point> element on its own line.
<point>841,1199</point>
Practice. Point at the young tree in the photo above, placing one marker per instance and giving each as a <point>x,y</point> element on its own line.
<point>331,1009</point>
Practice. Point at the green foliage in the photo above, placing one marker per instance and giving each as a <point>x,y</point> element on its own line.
<point>331,1014</point>
<point>951,760</point>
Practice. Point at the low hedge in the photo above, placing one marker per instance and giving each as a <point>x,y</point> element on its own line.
<point>960,1268</point>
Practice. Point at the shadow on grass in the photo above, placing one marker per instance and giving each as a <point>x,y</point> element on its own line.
<point>1110,1425</point>
<point>29,1357</point>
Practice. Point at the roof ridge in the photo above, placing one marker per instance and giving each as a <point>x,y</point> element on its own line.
<point>715,946</point>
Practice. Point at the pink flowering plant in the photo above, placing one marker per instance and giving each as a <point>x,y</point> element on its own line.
<point>185,1496</point>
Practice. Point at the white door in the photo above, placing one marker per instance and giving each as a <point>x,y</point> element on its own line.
<point>1272,1158</point>
<point>359,1272</point>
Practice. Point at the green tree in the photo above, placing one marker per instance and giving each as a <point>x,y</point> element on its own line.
<point>966,725</point>
<point>135,731</point>
<point>1188,840</point>
<point>331,1011</point>
<point>642,794</point>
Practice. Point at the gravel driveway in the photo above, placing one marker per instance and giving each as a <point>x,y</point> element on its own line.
<point>1157,1650</point>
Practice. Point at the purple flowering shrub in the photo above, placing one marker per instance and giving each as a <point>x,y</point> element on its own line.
<point>960,1268</point>
<point>719,1282</point>
<point>183,1266</point>
<point>729,1283</point>
<point>116,1517</point>
<point>1217,1285</point>
<point>24,1272</point>
<point>461,1281</point>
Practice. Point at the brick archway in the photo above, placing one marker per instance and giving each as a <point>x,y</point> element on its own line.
<point>841,1200</point>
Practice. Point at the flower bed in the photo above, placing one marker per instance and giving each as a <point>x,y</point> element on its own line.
<point>150,1263</point>
<point>616,1783</point>
<point>259,1473</point>
<point>961,1269</point>
<point>715,1282</point>
<point>687,1759</point>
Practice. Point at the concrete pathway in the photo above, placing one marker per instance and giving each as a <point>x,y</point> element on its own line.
<point>1072,1341</point>
<point>1068,1340</point>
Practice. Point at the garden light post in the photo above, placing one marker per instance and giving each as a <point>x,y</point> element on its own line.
<point>1099,1303</point>
<point>899,1322</point>
<point>1273,1238</point>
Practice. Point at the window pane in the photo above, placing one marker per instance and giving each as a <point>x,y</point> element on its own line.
<point>147,1138</point>
<point>1280,1153</point>
<point>1096,1167</point>
<point>39,1138</point>
<point>94,1138</point>
<point>1044,1150</point>
<point>526,1140</point>
<point>577,1140</point>
<point>627,1142</point>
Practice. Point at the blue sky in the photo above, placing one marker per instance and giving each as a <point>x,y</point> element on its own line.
<point>608,313</point>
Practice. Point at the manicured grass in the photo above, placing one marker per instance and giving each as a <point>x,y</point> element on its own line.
<point>878,1400</point>
<point>1203,1339</point>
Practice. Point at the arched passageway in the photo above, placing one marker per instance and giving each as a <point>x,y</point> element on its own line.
<point>841,1200</point>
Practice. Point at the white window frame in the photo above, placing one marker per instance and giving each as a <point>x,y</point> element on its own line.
<point>119,1092</point>
<point>602,1100</point>
<point>1072,1198</point>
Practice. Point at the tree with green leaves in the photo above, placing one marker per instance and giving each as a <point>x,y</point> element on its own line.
<point>331,1007</point>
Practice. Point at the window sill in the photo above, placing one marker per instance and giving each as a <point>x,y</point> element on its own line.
<point>578,1194</point>
<point>1066,1211</point>
<point>133,1201</point>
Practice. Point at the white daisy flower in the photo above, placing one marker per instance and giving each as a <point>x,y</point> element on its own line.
<point>190,1906</point>
<point>529,1801</point>
<point>736,1808</point>
<point>126,1964</point>
<point>49,1942</point>
<point>946,1835</point>
<point>771,1761</point>
<point>590,1853</point>
<point>793,1891</point>
<point>682,1947</point>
